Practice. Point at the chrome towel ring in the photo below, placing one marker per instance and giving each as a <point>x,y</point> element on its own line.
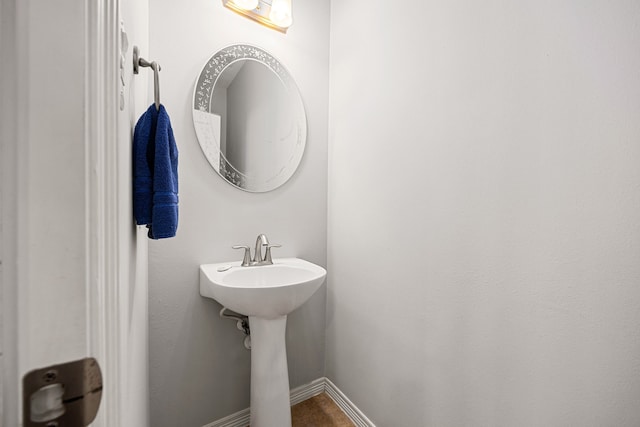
<point>141,62</point>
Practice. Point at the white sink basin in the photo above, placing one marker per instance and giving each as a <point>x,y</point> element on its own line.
<point>266,291</point>
<point>267,294</point>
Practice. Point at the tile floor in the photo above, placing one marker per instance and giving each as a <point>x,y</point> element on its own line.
<point>319,411</point>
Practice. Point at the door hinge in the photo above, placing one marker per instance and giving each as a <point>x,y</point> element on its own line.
<point>64,395</point>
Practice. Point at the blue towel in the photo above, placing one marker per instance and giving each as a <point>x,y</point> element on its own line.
<point>155,174</point>
<point>144,133</point>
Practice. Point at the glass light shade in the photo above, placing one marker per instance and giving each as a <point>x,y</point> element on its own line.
<point>281,13</point>
<point>246,4</point>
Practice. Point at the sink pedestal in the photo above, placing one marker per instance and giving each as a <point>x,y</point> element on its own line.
<point>266,294</point>
<point>270,404</point>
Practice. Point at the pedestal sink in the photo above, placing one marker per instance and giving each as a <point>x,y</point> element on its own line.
<point>267,294</point>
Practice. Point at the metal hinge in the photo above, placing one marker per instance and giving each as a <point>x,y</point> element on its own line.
<point>65,395</point>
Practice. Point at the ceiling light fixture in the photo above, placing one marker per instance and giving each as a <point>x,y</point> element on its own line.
<point>247,4</point>
<point>274,14</point>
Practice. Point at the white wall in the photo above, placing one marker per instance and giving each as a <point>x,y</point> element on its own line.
<point>199,369</point>
<point>484,192</point>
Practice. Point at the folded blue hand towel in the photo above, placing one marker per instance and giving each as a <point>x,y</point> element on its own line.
<point>155,167</point>
<point>143,136</point>
<point>164,215</point>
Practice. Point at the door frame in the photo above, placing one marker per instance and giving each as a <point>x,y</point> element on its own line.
<point>105,313</point>
<point>104,309</point>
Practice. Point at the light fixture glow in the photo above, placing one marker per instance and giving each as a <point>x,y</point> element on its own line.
<point>275,14</point>
<point>281,13</point>
<point>246,4</point>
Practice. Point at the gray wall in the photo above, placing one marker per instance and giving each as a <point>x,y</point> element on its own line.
<point>484,192</point>
<point>257,96</point>
<point>199,370</point>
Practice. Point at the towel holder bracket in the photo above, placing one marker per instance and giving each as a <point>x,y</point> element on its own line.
<point>138,62</point>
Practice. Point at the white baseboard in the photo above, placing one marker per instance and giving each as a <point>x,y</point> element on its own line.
<point>307,391</point>
<point>299,394</point>
<point>347,406</point>
<point>239,419</point>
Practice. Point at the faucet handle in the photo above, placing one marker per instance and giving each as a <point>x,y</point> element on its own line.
<point>267,255</point>
<point>247,254</point>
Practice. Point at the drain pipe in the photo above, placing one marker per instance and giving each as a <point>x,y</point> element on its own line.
<point>242,323</point>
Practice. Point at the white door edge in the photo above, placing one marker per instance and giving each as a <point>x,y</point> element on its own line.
<point>104,302</point>
<point>12,133</point>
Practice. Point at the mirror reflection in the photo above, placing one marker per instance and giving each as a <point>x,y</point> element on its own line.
<point>249,118</point>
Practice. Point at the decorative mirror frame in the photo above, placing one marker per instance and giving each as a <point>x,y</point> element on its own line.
<point>202,97</point>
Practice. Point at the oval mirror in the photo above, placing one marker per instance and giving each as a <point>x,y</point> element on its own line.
<point>249,118</point>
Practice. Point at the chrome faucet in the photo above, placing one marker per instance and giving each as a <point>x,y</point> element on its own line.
<point>257,254</point>
<point>257,259</point>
